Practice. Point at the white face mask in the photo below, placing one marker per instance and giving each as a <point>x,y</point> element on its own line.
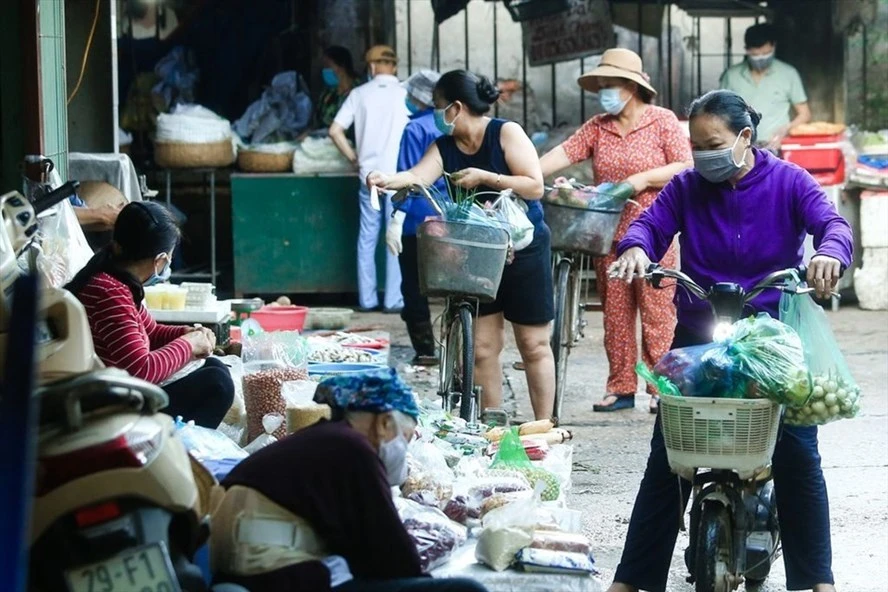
<point>393,455</point>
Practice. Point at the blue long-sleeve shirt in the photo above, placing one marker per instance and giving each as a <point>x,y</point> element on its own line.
<point>420,133</point>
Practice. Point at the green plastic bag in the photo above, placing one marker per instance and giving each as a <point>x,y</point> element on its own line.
<point>760,358</point>
<point>835,394</point>
<point>511,456</point>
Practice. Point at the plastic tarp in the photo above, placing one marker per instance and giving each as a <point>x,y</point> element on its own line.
<point>281,114</point>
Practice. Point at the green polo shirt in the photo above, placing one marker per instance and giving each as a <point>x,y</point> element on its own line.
<point>779,89</point>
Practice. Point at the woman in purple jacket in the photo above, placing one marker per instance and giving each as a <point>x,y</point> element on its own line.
<point>741,214</point>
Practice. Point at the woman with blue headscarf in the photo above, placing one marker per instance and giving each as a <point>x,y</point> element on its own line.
<point>314,511</point>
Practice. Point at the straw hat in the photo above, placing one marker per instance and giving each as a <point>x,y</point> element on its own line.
<point>381,53</point>
<point>617,63</point>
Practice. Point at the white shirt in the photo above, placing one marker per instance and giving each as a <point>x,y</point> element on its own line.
<point>378,111</point>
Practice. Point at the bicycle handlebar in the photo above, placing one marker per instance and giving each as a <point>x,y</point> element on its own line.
<point>655,274</point>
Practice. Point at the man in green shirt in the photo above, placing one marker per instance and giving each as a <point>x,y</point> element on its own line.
<point>769,85</point>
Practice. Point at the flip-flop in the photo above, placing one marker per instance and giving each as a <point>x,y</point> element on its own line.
<point>621,402</point>
<point>654,405</point>
<point>518,366</point>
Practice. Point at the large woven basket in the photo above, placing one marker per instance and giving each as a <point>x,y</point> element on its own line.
<point>181,155</point>
<point>253,161</point>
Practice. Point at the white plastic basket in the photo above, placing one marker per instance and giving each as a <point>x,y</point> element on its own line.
<point>734,434</point>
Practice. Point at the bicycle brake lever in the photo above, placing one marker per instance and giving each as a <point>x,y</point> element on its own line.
<point>800,290</point>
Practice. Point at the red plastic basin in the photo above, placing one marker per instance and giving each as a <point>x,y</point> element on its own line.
<point>281,318</point>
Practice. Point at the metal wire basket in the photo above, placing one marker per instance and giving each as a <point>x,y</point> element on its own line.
<point>734,434</point>
<point>582,230</point>
<point>460,259</point>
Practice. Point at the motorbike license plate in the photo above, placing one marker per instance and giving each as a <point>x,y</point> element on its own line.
<point>143,569</point>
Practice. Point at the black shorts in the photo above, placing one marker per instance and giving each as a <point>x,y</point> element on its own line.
<point>526,294</point>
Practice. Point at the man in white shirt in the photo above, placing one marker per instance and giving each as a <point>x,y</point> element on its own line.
<point>379,114</point>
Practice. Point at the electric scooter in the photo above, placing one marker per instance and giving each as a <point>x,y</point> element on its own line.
<point>119,505</point>
<point>734,533</point>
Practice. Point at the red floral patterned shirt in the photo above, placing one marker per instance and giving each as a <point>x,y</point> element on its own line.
<point>656,141</point>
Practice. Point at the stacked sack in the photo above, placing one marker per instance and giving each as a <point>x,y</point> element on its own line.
<point>871,279</point>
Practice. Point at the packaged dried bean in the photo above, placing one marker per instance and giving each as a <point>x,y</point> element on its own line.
<point>270,360</point>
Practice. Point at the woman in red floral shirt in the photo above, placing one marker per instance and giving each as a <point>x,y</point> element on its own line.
<point>643,145</point>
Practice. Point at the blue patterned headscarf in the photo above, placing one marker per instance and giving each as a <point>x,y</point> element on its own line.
<point>376,391</point>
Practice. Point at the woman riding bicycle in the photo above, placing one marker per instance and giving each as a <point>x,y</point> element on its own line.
<point>741,214</point>
<point>491,155</point>
<point>643,145</point>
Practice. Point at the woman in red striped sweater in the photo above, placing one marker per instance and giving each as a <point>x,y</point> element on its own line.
<point>127,337</point>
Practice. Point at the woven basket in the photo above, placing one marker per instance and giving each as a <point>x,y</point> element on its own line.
<point>265,162</point>
<point>179,155</point>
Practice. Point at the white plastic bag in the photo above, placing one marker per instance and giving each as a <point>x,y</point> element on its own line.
<point>192,124</point>
<point>507,530</point>
<point>63,249</point>
<point>270,423</point>
<point>520,226</point>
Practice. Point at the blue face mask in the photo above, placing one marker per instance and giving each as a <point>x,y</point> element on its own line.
<point>441,121</point>
<point>610,100</point>
<point>411,106</point>
<point>330,77</point>
<point>159,278</point>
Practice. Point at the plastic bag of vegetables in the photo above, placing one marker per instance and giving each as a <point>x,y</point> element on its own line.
<point>511,455</point>
<point>835,394</point>
<point>762,358</point>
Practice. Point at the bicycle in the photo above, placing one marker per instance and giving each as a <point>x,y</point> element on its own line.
<point>464,264</point>
<point>734,534</point>
<point>576,232</point>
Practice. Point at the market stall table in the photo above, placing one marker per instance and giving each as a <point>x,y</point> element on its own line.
<point>463,564</point>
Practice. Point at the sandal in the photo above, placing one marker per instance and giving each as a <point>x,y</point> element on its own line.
<point>620,402</point>
<point>654,405</point>
<point>519,366</point>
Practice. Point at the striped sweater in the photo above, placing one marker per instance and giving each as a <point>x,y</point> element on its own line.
<point>128,337</point>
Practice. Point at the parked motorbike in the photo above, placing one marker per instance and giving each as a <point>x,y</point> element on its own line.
<point>734,533</point>
<point>119,504</point>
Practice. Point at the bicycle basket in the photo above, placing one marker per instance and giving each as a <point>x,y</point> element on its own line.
<point>459,259</point>
<point>736,434</point>
<point>582,230</point>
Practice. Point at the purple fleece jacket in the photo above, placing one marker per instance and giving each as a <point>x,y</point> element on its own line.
<point>739,234</point>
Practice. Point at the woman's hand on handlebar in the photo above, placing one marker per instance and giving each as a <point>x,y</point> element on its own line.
<point>823,275</point>
<point>379,180</point>
<point>631,264</point>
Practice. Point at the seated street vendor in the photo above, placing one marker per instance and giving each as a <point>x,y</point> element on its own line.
<point>314,511</point>
<point>125,335</point>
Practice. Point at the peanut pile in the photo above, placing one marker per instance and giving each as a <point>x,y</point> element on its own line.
<point>262,394</point>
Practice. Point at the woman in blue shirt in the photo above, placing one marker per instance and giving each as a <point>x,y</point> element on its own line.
<point>400,236</point>
<point>491,155</point>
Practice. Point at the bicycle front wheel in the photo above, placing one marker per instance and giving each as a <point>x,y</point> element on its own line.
<point>458,364</point>
<point>562,330</point>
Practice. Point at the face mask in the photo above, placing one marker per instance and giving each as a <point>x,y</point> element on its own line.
<point>762,62</point>
<point>330,77</point>
<point>441,122</point>
<point>411,106</point>
<point>717,166</point>
<point>610,100</point>
<point>159,278</point>
<point>393,455</point>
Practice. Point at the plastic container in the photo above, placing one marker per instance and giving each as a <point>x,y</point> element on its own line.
<point>460,259</point>
<point>825,161</point>
<point>737,434</point>
<point>329,318</point>
<point>281,318</point>
<point>174,298</point>
<point>154,297</point>
<point>582,230</point>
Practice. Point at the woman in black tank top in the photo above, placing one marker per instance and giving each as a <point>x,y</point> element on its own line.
<point>493,155</point>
